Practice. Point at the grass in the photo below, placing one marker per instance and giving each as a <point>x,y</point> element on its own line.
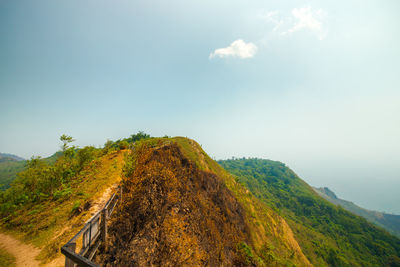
<point>6,259</point>
<point>51,223</point>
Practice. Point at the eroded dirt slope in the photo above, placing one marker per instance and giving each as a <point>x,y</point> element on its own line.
<point>173,214</point>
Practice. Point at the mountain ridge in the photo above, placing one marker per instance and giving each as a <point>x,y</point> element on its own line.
<point>9,157</point>
<point>180,207</point>
<point>47,210</point>
<point>327,234</point>
<point>390,222</point>
<point>199,194</point>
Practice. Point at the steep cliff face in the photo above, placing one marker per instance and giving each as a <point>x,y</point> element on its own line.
<point>175,214</point>
<point>179,210</point>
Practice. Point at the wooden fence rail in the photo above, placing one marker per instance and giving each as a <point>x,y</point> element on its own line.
<point>93,233</point>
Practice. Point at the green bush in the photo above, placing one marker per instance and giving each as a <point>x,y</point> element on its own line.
<point>85,156</point>
<point>123,144</point>
<point>62,194</point>
<point>76,207</point>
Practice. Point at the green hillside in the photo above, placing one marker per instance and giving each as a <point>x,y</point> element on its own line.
<point>10,165</point>
<point>9,157</point>
<point>8,172</point>
<point>327,234</point>
<point>390,222</point>
<point>51,198</point>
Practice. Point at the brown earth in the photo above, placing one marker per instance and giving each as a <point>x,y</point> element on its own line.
<point>174,214</point>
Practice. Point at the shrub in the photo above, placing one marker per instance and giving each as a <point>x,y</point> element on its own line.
<point>76,208</point>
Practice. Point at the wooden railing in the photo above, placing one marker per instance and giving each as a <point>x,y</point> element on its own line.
<point>93,233</point>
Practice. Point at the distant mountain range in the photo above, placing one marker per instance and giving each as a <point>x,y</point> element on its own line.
<point>388,221</point>
<point>9,157</point>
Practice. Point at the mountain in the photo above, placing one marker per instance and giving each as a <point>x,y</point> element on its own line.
<point>390,222</point>
<point>9,157</point>
<point>327,234</point>
<point>181,208</point>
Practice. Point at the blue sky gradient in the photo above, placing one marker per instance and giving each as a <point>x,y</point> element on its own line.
<point>321,91</point>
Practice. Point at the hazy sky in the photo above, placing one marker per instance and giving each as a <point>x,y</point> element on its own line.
<point>314,84</point>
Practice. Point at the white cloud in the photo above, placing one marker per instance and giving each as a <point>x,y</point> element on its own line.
<point>238,48</point>
<point>307,18</point>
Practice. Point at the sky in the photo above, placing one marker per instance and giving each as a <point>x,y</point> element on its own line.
<point>313,84</point>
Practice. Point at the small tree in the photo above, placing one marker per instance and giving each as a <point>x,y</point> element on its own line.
<point>67,151</point>
<point>66,140</point>
<point>139,136</point>
<point>123,144</point>
<point>84,156</point>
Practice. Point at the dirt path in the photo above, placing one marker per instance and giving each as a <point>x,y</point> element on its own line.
<point>100,202</point>
<point>24,253</point>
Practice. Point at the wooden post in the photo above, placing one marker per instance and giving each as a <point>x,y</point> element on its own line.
<point>104,216</point>
<point>69,262</point>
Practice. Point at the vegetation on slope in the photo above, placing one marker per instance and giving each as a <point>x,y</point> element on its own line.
<point>6,259</point>
<point>10,167</point>
<point>389,222</point>
<point>327,234</point>
<point>8,172</point>
<point>10,164</point>
<point>179,198</point>
<point>9,157</point>
<point>52,198</point>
